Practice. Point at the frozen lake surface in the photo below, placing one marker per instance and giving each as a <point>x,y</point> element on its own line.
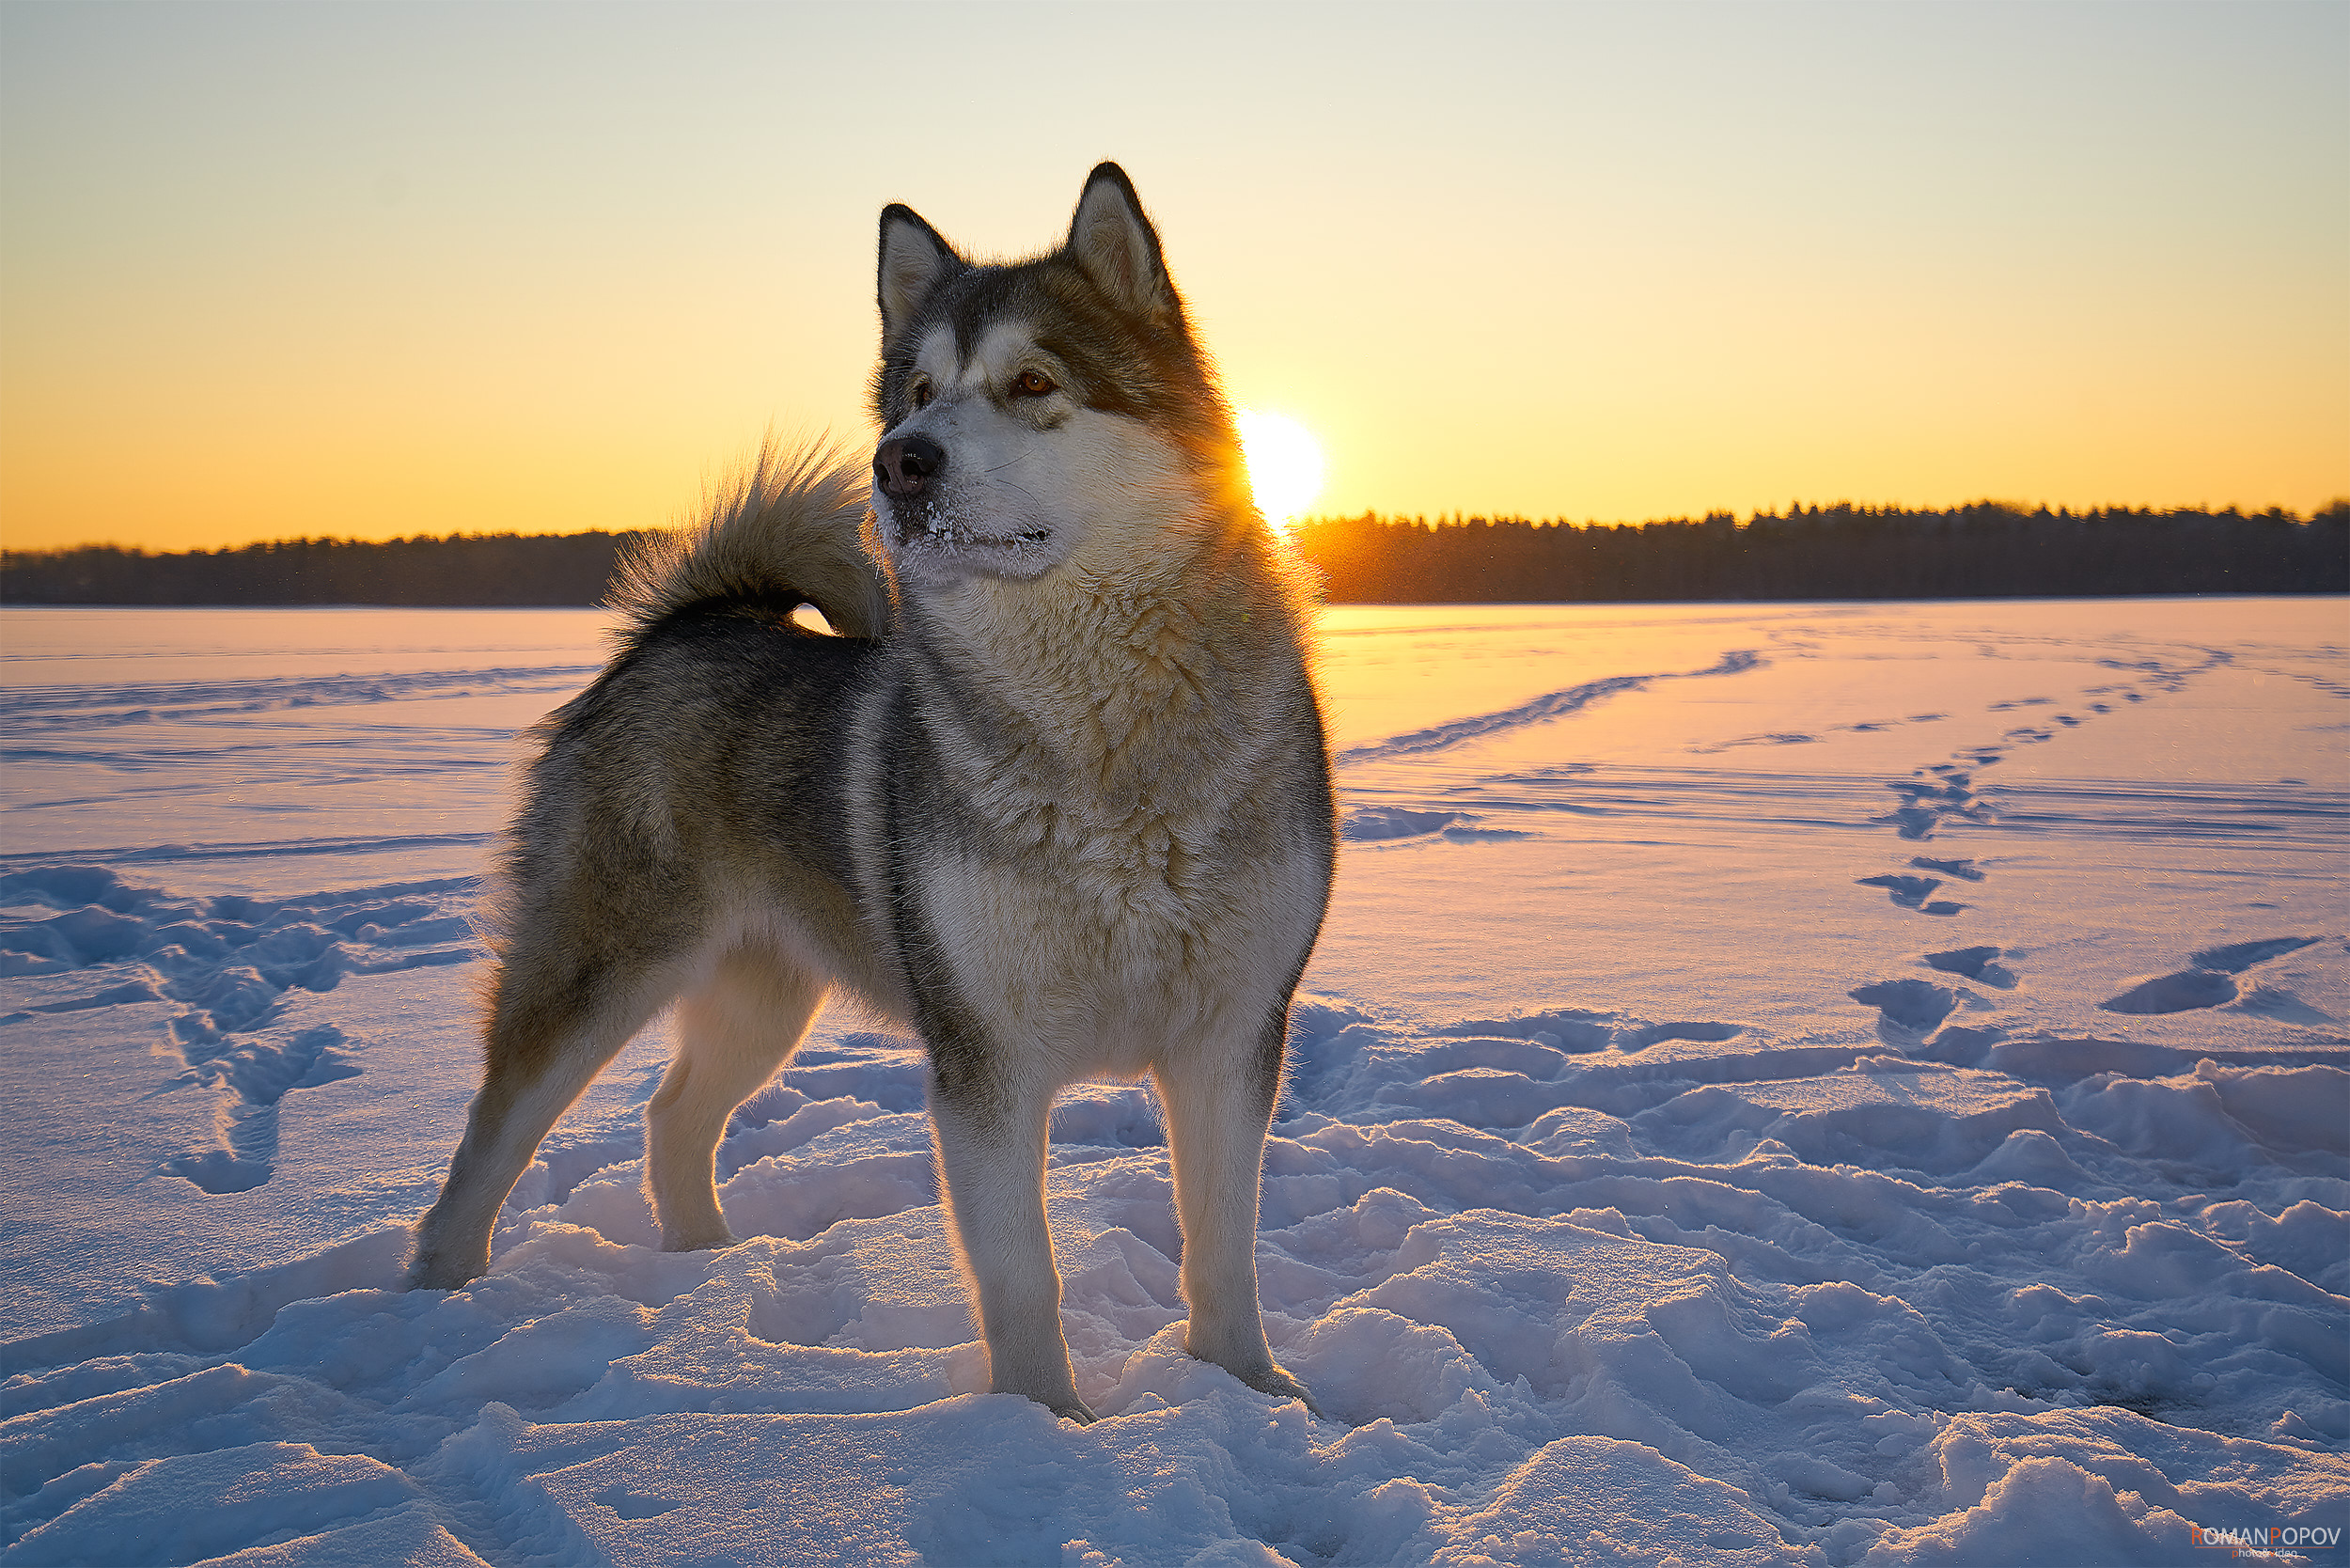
<point>1825,1083</point>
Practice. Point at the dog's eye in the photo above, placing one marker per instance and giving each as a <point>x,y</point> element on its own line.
<point>1032,384</point>
<point>922,394</point>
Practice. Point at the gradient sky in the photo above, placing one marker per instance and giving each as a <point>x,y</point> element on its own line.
<point>372,270</point>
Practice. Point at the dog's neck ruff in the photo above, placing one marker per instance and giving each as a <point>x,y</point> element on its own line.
<point>1122,684</point>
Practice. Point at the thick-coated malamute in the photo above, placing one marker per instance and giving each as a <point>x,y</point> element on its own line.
<point>1057,794</point>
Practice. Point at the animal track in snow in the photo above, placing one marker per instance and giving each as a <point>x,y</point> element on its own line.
<point>226,963</point>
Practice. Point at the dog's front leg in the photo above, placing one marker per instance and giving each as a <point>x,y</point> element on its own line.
<point>1219,1107</point>
<point>991,1149</point>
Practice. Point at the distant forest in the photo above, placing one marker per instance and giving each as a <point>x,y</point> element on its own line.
<point>1986,550</point>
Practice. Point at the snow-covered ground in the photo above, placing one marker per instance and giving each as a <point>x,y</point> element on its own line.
<point>1832,1084</point>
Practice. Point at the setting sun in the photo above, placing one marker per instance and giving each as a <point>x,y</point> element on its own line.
<point>1284,464</point>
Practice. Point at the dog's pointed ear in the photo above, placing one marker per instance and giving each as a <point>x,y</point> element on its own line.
<point>914,261</point>
<point>1119,249</point>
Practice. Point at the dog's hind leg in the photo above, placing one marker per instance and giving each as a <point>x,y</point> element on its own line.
<point>991,1148</point>
<point>1217,1111</point>
<point>555,1019</point>
<point>734,1030</point>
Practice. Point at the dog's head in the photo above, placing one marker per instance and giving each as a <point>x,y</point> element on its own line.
<point>1049,411</point>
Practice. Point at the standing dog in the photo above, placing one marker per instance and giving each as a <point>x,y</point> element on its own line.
<point>1057,794</point>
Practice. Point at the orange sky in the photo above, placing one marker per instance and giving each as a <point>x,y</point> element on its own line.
<point>367,270</point>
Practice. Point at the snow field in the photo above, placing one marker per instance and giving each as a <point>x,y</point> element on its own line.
<point>1662,1175</point>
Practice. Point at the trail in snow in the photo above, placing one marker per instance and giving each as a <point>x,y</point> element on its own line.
<point>223,965</point>
<point>1550,705</point>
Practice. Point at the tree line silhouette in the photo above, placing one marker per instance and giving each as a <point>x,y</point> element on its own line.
<point>460,569</point>
<point>1984,550</point>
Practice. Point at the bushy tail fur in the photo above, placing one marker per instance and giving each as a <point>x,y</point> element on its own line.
<point>784,532</point>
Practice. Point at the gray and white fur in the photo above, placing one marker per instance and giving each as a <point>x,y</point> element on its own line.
<point>1057,794</point>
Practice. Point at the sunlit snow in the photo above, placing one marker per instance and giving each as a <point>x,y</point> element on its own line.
<point>1823,1084</point>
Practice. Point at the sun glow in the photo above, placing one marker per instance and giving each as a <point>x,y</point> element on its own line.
<point>1284,464</point>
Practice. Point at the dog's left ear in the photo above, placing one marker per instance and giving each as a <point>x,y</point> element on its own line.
<point>913,261</point>
<point>1119,249</point>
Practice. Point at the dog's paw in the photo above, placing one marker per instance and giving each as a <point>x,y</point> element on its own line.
<point>1059,1397</point>
<point>705,1239</point>
<point>1064,1403</point>
<point>1270,1378</point>
<point>438,1274</point>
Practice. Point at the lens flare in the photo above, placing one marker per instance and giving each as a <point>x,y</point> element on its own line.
<point>1284,464</point>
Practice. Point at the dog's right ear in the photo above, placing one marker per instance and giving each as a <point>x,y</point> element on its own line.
<point>1119,249</point>
<point>913,261</point>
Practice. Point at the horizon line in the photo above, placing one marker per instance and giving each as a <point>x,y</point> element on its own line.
<point>1457,518</point>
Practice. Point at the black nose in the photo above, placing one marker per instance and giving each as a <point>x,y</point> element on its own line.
<point>906,464</point>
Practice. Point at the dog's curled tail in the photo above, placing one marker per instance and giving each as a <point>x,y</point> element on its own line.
<point>783,532</point>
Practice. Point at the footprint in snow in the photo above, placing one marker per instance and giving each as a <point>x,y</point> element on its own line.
<point>2211,981</point>
<point>1864,727</point>
<point>260,1072</point>
<point>2240,956</point>
<point>1912,1005</point>
<point>1944,790</point>
<point>1392,824</point>
<point>1932,795</point>
<point>1910,892</point>
<point>1573,1030</point>
<point>1705,1033</point>
<point>1379,823</point>
<point>1975,963</point>
<point>2183,992</point>
<point>630,1505</point>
